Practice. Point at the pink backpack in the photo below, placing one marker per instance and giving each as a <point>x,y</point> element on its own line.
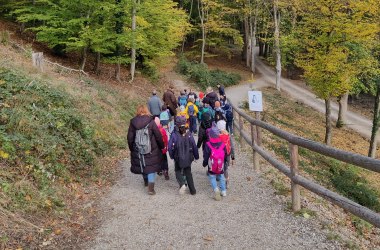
<point>216,160</point>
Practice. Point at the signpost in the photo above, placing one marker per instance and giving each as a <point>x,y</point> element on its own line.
<point>255,101</point>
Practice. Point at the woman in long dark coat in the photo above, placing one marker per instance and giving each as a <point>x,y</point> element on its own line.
<point>151,162</point>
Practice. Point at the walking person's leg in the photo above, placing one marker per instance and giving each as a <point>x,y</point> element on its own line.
<point>214,185</point>
<point>179,177</point>
<point>190,181</point>
<point>151,180</point>
<point>222,183</point>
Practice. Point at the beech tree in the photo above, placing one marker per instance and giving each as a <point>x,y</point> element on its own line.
<point>325,33</point>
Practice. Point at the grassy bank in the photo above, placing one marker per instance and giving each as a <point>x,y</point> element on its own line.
<point>59,136</point>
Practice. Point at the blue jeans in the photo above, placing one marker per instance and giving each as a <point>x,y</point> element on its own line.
<point>151,177</point>
<point>214,184</point>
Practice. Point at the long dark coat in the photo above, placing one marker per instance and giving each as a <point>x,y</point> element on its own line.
<point>171,101</point>
<point>152,160</point>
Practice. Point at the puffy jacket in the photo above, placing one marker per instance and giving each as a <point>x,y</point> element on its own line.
<point>215,142</point>
<point>187,109</point>
<point>152,160</point>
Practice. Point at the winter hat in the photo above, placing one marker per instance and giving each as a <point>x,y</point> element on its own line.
<point>217,104</point>
<point>180,121</point>
<point>181,108</point>
<point>214,132</point>
<point>201,95</point>
<point>221,124</point>
<point>157,121</point>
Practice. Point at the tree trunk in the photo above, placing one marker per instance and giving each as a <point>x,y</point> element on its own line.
<point>83,58</point>
<point>253,41</point>
<point>276,15</point>
<point>375,125</point>
<point>133,52</point>
<point>97,64</point>
<point>188,19</point>
<point>342,113</point>
<point>247,46</point>
<point>202,18</point>
<point>328,121</point>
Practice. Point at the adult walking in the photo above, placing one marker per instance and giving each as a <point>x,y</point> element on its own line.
<point>221,90</point>
<point>154,104</point>
<point>145,143</point>
<point>211,96</point>
<point>170,100</point>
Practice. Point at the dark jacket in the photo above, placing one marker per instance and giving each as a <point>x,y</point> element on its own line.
<point>171,101</point>
<point>172,143</point>
<point>216,143</point>
<point>221,90</point>
<point>202,136</point>
<point>213,97</point>
<point>152,160</point>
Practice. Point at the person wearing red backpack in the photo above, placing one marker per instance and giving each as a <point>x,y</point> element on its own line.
<point>214,156</point>
<point>164,163</point>
<point>226,139</point>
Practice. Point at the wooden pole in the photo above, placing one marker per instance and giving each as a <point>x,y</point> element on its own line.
<point>296,201</point>
<point>241,130</point>
<point>258,129</point>
<point>256,164</point>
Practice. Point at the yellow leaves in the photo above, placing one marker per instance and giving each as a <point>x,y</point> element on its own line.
<point>28,198</point>
<point>4,155</point>
<point>48,203</point>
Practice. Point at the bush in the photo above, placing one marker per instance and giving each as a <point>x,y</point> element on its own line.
<point>204,77</point>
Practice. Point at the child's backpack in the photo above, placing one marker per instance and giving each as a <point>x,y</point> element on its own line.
<point>190,110</point>
<point>225,137</point>
<point>164,115</point>
<point>216,160</point>
<point>183,151</point>
<point>229,114</point>
<point>206,120</point>
<point>182,101</point>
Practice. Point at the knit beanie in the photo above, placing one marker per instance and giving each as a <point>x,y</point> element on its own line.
<point>214,132</point>
<point>221,125</point>
<point>180,121</point>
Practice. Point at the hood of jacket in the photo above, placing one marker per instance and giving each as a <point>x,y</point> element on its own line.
<point>140,122</point>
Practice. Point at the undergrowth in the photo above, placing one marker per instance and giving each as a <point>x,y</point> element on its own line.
<point>203,77</point>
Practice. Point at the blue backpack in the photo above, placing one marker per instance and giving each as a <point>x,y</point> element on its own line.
<point>183,101</point>
<point>229,115</point>
<point>164,115</point>
<point>190,110</point>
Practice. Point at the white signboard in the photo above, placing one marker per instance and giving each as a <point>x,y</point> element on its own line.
<point>255,100</point>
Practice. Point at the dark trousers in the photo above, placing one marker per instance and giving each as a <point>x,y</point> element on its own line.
<point>164,163</point>
<point>230,127</point>
<point>193,124</point>
<point>180,173</point>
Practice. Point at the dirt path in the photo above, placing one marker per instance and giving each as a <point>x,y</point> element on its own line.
<point>266,77</point>
<point>250,217</point>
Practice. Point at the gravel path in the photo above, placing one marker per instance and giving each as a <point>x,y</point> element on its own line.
<point>250,217</point>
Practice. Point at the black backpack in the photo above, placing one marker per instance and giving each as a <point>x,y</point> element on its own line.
<point>206,120</point>
<point>183,151</point>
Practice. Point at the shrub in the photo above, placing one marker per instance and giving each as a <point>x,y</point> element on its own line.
<point>204,77</point>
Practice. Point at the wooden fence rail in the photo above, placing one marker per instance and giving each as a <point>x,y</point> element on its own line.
<point>292,171</point>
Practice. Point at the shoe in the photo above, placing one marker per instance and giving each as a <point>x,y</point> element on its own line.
<point>166,174</point>
<point>182,190</point>
<point>151,188</point>
<point>217,194</point>
<point>224,193</point>
<point>159,173</point>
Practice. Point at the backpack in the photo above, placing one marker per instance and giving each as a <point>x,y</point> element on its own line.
<point>219,115</point>
<point>164,115</point>
<point>183,150</point>
<point>190,110</point>
<point>206,120</point>
<point>142,140</point>
<point>227,141</point>
<point>182,101</point>
<point>216,160</point>
<point>229,114</point>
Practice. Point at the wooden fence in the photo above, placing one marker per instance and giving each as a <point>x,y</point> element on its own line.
<point>254,140</point>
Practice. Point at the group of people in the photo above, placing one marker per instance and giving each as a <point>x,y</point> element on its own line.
<point>168,127</point>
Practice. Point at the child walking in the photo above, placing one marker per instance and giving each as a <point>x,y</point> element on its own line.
<point>226,139</point>
<point>165,117</point>
<point>183,150</point>
<point>214,156</point>
<point>164,163</point>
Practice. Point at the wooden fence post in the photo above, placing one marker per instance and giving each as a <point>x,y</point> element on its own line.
<point>296,201</point>
<point>256,163</point>
<point>258,129</point>
<point>38,60</point>
<point>241,130</point>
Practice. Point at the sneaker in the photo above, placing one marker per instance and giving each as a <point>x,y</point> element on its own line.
<point>182,190</point>
<point>224,193</point>
<point>217,194</point>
